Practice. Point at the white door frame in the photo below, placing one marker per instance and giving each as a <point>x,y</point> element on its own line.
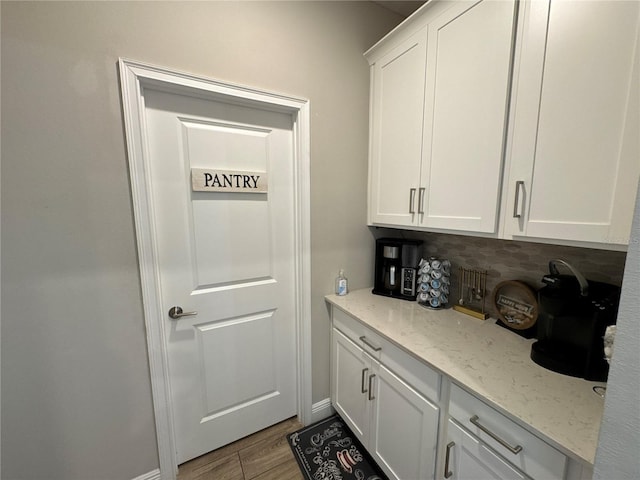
<point>134,78</point>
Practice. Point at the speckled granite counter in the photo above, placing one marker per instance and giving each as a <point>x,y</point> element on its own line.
<point>491,362</point>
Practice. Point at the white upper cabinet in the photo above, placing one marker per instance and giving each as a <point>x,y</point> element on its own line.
<point>468,70</point>
<point>396,149</point>
<point>574,154</point>
<point>438,117</point>
<point>509,119</point>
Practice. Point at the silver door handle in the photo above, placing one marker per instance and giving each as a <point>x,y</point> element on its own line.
<point>371,397</point>
<point>176,312</point>
<point>447,472</point>
<point>412,199</point>
<point>516,211</point>
<point>421,200</point>
<point>364,374</point>
<point>476,421</point>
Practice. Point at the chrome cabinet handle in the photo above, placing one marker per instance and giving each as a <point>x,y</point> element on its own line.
<point>371,397</point>
<point>364,374</point>
<point>421,199</point>
<point>516,212</point>
<point>476,421</point>
<point>364,340</point>
<point>412,199</point>
<point>176,312</point>
<point>447,472</point>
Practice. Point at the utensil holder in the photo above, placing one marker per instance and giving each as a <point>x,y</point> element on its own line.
<point>472,292</point>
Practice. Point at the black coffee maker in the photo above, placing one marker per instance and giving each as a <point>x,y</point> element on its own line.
<point>573,316</point>
<point>396,267</point>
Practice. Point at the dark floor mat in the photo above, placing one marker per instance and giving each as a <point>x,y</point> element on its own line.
<point>327,450</point>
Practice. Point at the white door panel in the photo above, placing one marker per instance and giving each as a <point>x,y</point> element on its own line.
<point>350,369</point>
<point>465,121</point>
<point>470,459</point>
<point>228,257</point>
<point>574,155</point>
<point>411,452</point>
<point>397,132</point>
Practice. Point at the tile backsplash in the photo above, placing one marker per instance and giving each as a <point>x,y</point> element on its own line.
<point>512,260</point>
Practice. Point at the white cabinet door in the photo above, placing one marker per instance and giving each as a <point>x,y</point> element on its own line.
<point>467,458</point>
<point>404,429</point>
<point>395,423</point>
<point>351,367</point>
<point>575,155</point>
<point>439,108</point>
<point>396,132</point>
<point>467,94</point>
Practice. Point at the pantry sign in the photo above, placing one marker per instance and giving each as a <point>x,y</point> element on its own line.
<point>206,180</point>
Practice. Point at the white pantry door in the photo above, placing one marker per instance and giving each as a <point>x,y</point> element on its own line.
<point>229,257</point>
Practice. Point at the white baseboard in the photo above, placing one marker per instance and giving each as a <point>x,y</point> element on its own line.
<point>321,410</point>
<point>152,475</point>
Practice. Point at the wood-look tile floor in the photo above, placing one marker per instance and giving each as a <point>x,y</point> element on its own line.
<point>265,455</point>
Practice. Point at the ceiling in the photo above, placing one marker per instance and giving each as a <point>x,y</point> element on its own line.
<point>402,7</point>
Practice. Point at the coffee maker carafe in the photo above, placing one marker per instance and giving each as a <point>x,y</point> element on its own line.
<point>391,267</point>
<point>396,267</point>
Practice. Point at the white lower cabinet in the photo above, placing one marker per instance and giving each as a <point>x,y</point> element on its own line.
<point>467,458</point>
<point>396,424</point>
<point>350,369</point>
<point>394,405</point>
<point>483,443</point>
<point>404,428</point>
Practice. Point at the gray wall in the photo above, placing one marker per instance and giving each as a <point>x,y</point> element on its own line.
<point>76,400</point>
<point>619,442</point>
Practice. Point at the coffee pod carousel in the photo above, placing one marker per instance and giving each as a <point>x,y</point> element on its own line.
<point>434,282</point>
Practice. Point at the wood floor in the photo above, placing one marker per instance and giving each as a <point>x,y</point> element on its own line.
<point>265,455</point>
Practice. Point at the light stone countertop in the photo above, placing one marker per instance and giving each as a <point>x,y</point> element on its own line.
<point>491,362</point>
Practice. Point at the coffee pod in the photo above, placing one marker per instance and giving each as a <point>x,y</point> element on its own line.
<point>435,283</point>
<point>423,297</point>
<point>434,302</point>
<point>434,292</point>
<point>436,264</point>
<point>444,298</point>
<point>446,268</point>
<point>436,274</point>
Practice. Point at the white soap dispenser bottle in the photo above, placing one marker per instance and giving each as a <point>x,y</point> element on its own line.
<point>341,283</point>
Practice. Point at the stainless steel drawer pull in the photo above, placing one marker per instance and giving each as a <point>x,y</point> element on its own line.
<point>412,199</point>
<point>364,340</point>
<point>516,212</point>
<point>371,397</point>
<point>364,374</point>
<point>421,200</point>
<point>447,472</point>
<point>476,421</point>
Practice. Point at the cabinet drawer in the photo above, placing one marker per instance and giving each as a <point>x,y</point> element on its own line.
<point>520,447</point>
<point>358,333</point>
<point>414,372</point>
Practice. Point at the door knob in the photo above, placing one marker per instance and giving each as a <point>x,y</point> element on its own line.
<point>176,312</point>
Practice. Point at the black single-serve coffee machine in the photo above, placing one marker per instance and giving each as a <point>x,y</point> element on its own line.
<point>573,316</point>
<point>396,268</point>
